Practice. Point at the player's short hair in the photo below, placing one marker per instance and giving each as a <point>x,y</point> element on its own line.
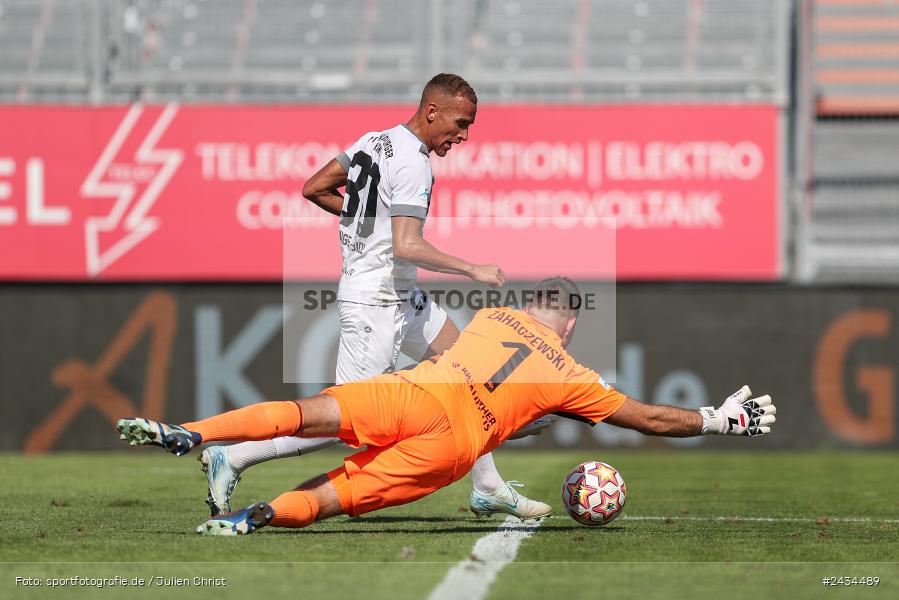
<point>558,293</point>
<point>449,85</point>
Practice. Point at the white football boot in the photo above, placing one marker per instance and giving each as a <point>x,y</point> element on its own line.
<point>221,476</point>
<point>506,500</point>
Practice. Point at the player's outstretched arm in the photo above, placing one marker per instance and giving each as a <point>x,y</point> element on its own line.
<point>323,188</point>
<point>740,414</point>
<point>409,245</point>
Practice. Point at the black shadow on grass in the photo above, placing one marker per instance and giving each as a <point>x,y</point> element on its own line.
<point>455,525</point>
<point>397,519</point>
<point>407,531</point>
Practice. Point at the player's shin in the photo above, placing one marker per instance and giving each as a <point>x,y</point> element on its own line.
<point>319,498</point>
<point>247,454</point>
<point>295,509</point>
<point>484,475</point>
<point>262,421</point>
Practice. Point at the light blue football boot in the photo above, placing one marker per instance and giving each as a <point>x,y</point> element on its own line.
<point>221,476</point>
<point>506,500</point>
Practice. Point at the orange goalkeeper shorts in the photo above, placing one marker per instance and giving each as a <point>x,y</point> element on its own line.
<point>411,449</point>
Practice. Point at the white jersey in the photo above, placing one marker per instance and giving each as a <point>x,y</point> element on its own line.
<point>388,175</point>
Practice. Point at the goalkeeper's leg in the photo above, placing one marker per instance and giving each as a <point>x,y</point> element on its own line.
<point>368,346</point>
<point>317,416</point>
<point>223,465</point>
<point>315,500</point>
<point>422,460</point>
<point>372,479</point>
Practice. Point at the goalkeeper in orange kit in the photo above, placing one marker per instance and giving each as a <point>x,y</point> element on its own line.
<point>425,427</point>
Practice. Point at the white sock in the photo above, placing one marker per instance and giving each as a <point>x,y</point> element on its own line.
<point>294,446</point>
<point>484,476</point>
<point>247,454</point>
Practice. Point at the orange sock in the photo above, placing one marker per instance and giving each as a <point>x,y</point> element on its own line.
<point>262,421</point>
<point>294,509</point>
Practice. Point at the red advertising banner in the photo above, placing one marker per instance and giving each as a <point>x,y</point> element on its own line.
<point>201,192</point>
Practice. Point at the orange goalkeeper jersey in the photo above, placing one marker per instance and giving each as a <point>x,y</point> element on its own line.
<point>505,370</point>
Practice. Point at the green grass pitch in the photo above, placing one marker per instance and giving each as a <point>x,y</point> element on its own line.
<point>697,524</point>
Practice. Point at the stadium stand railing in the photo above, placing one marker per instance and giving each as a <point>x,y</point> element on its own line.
<point>849,216</point>
<point>48,48</point>
<point>856,57</point>
<point>380,50</point>
<point>585,50</point>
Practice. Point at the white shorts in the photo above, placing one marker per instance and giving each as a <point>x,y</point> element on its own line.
<point>371,336</point>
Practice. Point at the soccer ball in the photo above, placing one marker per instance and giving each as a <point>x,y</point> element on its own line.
<point>594,493</point>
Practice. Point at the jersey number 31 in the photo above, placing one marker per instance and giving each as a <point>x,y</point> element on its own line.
<point>369,177</point>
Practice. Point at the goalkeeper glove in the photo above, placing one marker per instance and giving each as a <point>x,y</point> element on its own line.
<point>739,415</point>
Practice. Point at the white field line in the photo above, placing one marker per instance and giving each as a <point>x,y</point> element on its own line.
<point>472,577</point>
<point>736,519</point>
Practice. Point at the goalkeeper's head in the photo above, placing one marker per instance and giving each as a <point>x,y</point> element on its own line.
<point>556,303</point>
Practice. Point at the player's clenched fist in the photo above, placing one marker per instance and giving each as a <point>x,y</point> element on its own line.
<point>739,415</point>
<point>489,274</point>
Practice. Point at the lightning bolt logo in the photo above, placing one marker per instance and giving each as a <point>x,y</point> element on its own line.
<point>135,183</point>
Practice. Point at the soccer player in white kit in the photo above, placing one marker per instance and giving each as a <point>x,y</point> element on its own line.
<point>388,181</point>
